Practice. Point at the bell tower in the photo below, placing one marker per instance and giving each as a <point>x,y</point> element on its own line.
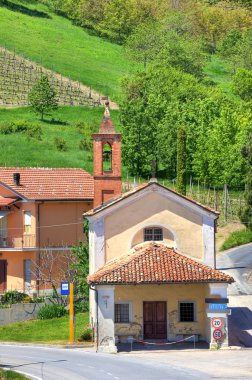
<point>107,161</point>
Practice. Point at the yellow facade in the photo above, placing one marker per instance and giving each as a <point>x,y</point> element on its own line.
<point>182,226</point>
<point>150,311</point>
<point>172,294</point>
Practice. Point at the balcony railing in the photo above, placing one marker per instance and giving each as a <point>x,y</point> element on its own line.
<point>21,241</point>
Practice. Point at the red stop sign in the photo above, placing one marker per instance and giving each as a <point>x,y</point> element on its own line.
<point>217,334</point>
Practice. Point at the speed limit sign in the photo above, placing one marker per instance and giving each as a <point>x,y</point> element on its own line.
<point>217,323</point>
<point>217,334</point>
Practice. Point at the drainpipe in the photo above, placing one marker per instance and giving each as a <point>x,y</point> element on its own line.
<point>97,324</point>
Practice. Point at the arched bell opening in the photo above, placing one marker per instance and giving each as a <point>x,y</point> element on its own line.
<point>107,158</point>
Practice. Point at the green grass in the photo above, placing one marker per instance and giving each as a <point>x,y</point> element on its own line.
<point>70,50</point>
<point>43,331</point>
<point>11,375</point>
<point>17,150</point>
<point>219,72</point>
<point>237,238</point>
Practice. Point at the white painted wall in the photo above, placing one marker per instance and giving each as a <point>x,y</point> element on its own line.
<point>208,241</point>
<point>106,325</point>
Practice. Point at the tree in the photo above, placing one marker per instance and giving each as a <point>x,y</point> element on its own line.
<point>242,84</point>
<point>246,216</point>
<point>236,48</point>
<point>42,97</point>
<point>181,161</point>
<point>80,265</point>
<point>51,268</point>
<point>144,43</point>
<point>150,116</point>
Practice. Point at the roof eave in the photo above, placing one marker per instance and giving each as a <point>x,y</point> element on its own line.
<point>14,191</point>
<point>104,208</point>
<point>162,282</point>
<point>61,199</point>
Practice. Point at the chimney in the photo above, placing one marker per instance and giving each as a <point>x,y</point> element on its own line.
<point>16,179</point>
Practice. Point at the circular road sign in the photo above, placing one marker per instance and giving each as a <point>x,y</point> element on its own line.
<point>217,323</point>
<point>217,334</point>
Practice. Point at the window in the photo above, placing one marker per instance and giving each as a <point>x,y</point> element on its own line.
<point>27,276</point>
<point>122,311</point>
<point>27,222</point>
<point>186,312</point>
<point>3,228</point>
<point>107,158</point>
<point>153,233</point>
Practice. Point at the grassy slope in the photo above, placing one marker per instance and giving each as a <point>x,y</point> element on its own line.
<point>52,330</point>
<point>219,72</point>
<point>70,50</point>
<point>11,375</point>
<point>18,150</point>
<point>237,238</point>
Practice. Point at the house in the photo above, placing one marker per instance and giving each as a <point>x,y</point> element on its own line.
<point>152,258</point>
<point>40,209</point>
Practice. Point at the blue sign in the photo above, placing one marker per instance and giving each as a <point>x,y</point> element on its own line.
<point>64,288</point>
<point>220,306</point>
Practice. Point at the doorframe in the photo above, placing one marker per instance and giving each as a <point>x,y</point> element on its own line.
<point>166,307</point>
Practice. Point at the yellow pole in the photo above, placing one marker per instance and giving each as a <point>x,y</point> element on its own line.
<point>71,313</point>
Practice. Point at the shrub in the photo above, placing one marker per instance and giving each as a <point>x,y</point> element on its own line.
<point>13,296</point>
<point>37,300</point>
<point>86,130</point>
<point>86,335</point>
<point>237,238</point>
<point>6,127</point>
<point>81,306</point>
<point>84,144</point>
<point>34,131</point>
<point>21,126</point>
<point>60,144</point>
<point>51,311</point>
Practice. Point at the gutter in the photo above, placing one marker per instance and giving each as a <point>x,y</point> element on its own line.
<point>163,283</point>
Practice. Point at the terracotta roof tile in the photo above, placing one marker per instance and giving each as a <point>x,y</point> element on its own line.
<point>156,263</point>
<point>139,188</point>
<point>50,183</point>
<point>7,201</point>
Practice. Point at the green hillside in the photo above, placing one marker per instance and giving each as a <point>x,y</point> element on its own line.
<point>20,150</point>
<point>54,42</point>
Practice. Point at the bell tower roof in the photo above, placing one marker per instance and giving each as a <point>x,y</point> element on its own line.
<point>107,126</point>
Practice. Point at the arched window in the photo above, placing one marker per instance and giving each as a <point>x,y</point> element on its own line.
<point>153,234</point>
<point>107,158</point>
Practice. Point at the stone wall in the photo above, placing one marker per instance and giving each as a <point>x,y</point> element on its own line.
<point>19,312</point>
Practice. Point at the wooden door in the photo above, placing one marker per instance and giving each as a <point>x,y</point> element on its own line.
<point>155,320</point>
<point>3,276</point>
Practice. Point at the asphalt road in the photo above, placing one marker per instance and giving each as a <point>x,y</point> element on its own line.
<point>61,364</point>
<point>53,364</point>
<point>237,262</point>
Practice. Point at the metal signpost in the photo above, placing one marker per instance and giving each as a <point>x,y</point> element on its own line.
<point>66,289</point>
